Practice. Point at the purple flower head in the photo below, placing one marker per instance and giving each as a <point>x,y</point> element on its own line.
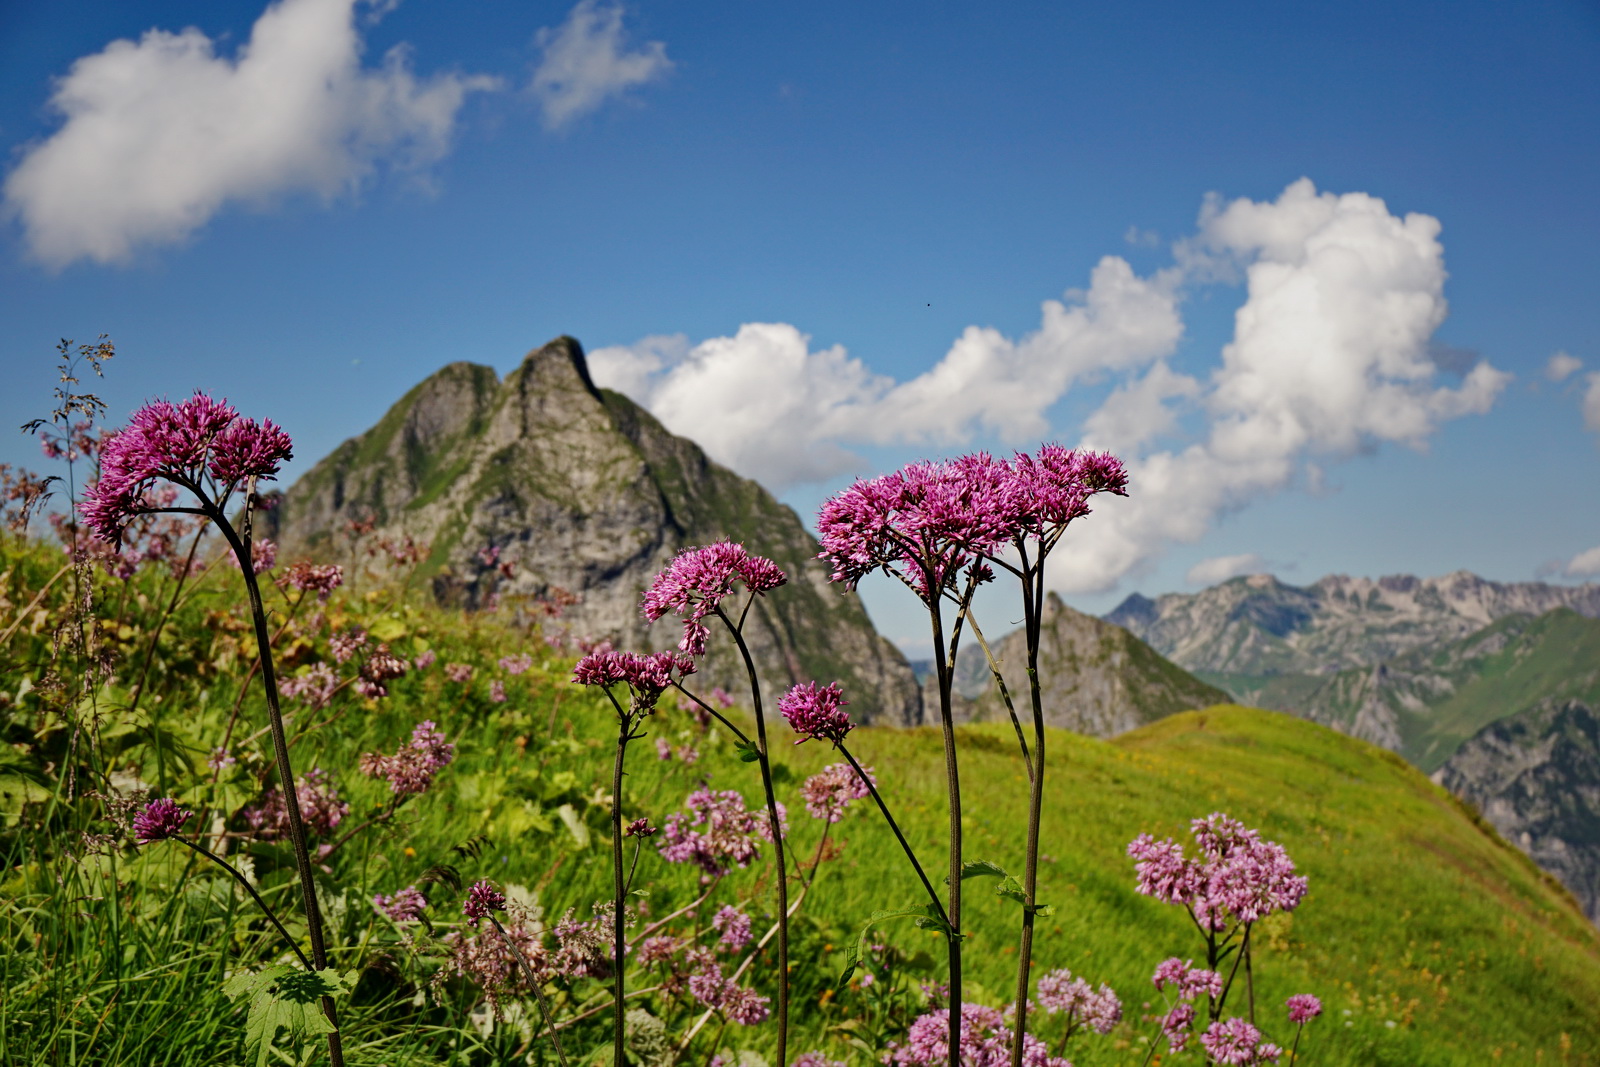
<point>718,834</point>
<point>1236,878</point>
<point>640,828</point>
<point>482,898</point>
<point>321,579</point>
<point>406,904</point>
<point>347,643</point>
<point>517,664</point>
<point>263,556</point>
<point>1061,993</point>
<point>645,676</point>
<point>412,768</point>
<point>1237,1043</point>
<point>733,925</point>
<point>1187,980</point>
<point>1055,485</point>
<point>711,988</point>
<point>159,820</point>
<point>698,579</point>
<point>197,441</point>
<point>460,673</point>
<point>314,686</point>
<point>321,809</point>
<point>985,1041</point>
<point>1303,1007</point>
<point>1175,1026</point>
<point>814,1059</point>
<point>428,658</point>
<point>815,712</point>
<point>654,951</point>
<point>828,792</point>
<point>497,692</point>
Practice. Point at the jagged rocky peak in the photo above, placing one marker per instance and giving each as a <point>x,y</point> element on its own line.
<point>544,490</point>
<point>1097,678</point>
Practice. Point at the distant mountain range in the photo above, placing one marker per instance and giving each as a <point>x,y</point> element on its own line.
<point>543,491</point>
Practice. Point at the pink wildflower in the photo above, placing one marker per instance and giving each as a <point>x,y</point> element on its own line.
<point>1303,1007</point>
<point>1061,993</point>
<point>460,673</point>
<point>1236,1043</point>
<point>482,899</point>
<point>663,749</point>
<point>1175,1026</point>
<point>814,1059</point>
<point>314,686</point>
<point>645,676</point>
<point>729,835</point>
<point>1187,980</point>
<point>428,658</point>
<point>407,904</point>
<point>654,951</point>
<point>815,712</point>
<point>696,582</point>
<point>411,769</point>
<point>380,666</point>
<point>485,960</point>
<point>314,578</point>
<point>159,820</point>
<point>263,556</point>
<point>497,691</point>
<point>320,808</point>
<point>828,792</point>
<point>347,643</point>
<point>640,828</point>
<point>985,1041</point>
<point>517,664</point>
<point>221,759</point>
<point>1237,877</point>
<point>734,927</point>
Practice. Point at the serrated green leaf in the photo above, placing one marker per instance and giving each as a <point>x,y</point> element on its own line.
<point>926,916</point>
<point>980,869</point>
<point>284,997</point>
<point>1011,889</point>
<point>747,751</point>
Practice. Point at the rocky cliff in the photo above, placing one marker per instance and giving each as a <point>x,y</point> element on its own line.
<point>1098,679</point>
<point>1536,777</point>
<point>542,487</point>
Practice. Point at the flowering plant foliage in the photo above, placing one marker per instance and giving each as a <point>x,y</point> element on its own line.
<point>1062,994</point>
<point>1236,878</point>
<point>404,905</point>
<point>832,789</point>
<point>985,1041</point>
<point>728,834</point>
<point>696,582</point>
<point>159,820</point>
<point>411,769</point>
<point>320,807</point>
<point>816,712</point>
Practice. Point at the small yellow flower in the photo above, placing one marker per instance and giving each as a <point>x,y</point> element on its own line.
<point>411,853</point>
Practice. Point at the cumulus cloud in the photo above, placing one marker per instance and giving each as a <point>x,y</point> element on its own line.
<point>1562,366</point>
<point>161,132</point>
<point>584,63</point>
<point>1331,354</point>
<point>765,404</point>
<point>1221,568</point>
<point>1591,403</point>
<point>1584,564</point>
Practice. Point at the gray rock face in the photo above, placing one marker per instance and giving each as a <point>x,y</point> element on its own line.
<point>1260,626</point>
<point>1097,678</point>
<point>1535,776</point>
<point>582,492</point>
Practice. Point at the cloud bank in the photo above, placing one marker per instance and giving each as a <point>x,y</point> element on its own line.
<point>1584,564</point>
<point>584,63</point>
<point>1330,355</point>
<point>160,133</point>
<point>1221,568</point>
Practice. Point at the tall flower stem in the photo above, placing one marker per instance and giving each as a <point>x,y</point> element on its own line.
<point>538,990</point>
<point>248,888</point>
<point>619,890</point>
<point>1032,610</point>
<point>280,747</point>
<point>894,827</point>
<point>944,669</point>
<point>765,763</point>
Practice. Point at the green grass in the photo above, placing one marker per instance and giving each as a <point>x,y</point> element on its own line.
<point>1431,941</point>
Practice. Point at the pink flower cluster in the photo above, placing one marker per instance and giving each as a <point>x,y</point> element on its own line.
<point>380,666</point>
<point>728,836</point>
<point>1236,1043</point>
<point>828,792</point>
<point>1062,994</point>
<point>482,899</point>
<point>321,579</point>
<point>815,1059</point>
<point>645,675</point>
<point>698,579</point>
<point>928,523</point>
<point>687,754</point>
<point>517,664</point>
<point>407,904</point>
<point>985,1041</point>
<point>411,769</point>
<point>460,673</point>
<point>263,556</point>
<point>159,820</point>
<point>1237,877</point>
<point>485,960</point>
<point>733,926</point>
<point>816,712</point>
<point>1303,1007</point>
<point>320,808</point>
<point>313,687</point>
<point>184,444</point>
<point>710,987</point>
<point>1187,980</point>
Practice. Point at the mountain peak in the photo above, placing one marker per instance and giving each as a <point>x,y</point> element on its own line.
<point>558,359</point>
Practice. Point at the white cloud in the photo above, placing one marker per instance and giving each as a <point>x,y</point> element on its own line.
<point>1332,354</point>
<point>763,403</point>
<point>161,132</point>
<point>1562,366</point>
<point>1591,403</point>
<point>1221,568</point>
<point>1329,356</point>
<point>584,63</point>
<point>1584,564</point>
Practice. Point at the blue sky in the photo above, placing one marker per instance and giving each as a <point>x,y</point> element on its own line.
<point>818,239</point>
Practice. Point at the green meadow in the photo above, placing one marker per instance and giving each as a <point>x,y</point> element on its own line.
<point>1429,940</point>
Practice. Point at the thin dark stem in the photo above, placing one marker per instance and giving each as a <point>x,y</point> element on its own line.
<point>1005,693</point>
<point>538,990</point>
<point>1032,614</point>
<point>1294,1051</point>
<point>894,827</point>
<point>740,734</point>
<point>765,763</point>
<point>248,888</point>
<point>618,889</point>
<point>280,745</point>
<point>944,670</point>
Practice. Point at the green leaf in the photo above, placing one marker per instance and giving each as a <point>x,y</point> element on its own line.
<point>926,915</point>
<point>980,869</point>
<point>747,751</point>
<point>288,998</point>
<point>1009,887</point>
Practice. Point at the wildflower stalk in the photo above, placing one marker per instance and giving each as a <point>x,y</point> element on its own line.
<point>248,888</point>
<point>1032,610</point>
<point>538,990</point>
<point>765,763</point>
<point>619,890</point>
<point>894,827</point>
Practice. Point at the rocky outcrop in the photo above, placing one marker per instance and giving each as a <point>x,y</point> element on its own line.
<point>1097,678</point>
<point>1535,776</point>
<point>540,488</point>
